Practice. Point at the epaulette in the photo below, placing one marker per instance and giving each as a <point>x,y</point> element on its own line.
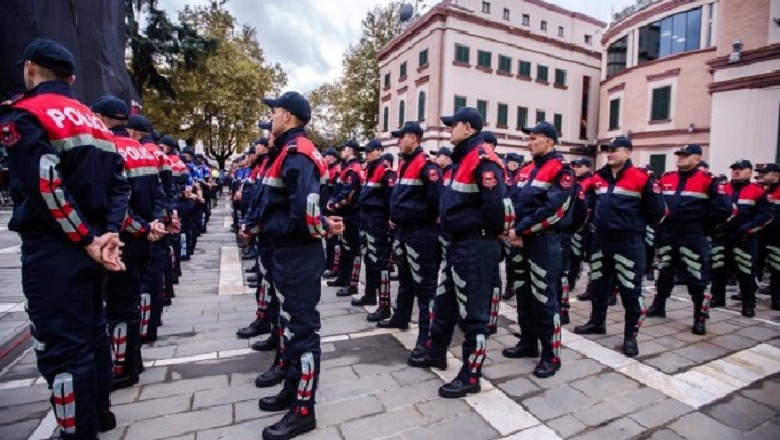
<point>292,148</point>
<point>12,100</point>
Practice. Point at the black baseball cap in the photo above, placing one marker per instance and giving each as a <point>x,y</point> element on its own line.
<point>349,144</point>
<point>169,141</point>
<point>294,103</point>
<point>703,163</point>
<point>514,157</point>
<point>251,150</point>
<point>112,107</point>
<point>469,115</point>
<point>373,144</point>
<point>330,151</point>
<point>264,125</point>
<point>50,54</point>
<point>544,128</point>
<point>409,127</point>
<point>768,168</point>
<point>583,161</point>
<point>444,151</point>
<point>262,141</point>
<point>388,157</point>
<point>689,150</point>
<point>618,142</point>
<point>140,123</point>
<point>489,137</point>
<point>741,164</point>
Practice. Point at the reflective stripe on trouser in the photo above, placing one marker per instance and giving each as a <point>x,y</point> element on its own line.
<point>740,257</point>
<point>297,271</point>
<point>562,286</point>
<point>773,266</point>
<point>581,242</point>
<point>687,251</point>
<point>537,301</point>
<point>331,244</point>
<point>124,306</point>
<point>152,283</point>
<point>267,302</point>
<point>619,264</point>
<point>64,292</point>
<point>495,299</point>
<point>464,298</point>
<point>444,279</point>
<point>350,248</point>
<point>418,269</point>
<point>357,259</point>
<point>377,257</point>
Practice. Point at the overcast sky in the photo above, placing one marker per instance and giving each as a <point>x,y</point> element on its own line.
<point>308,37</point>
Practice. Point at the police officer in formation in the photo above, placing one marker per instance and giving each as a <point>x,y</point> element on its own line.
<point>87,183</point>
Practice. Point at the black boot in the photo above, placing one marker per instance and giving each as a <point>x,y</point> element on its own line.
<point>522,350</point>
<point>279,402</point>
<point>737,297</point>
<point>274,376</point>
<point>390,323</point>
<point>293,424</point>
<point>126,381</point>
<point>587,295</point>
<point>347,291</point>
<point>267,344</point>
<point>106,421</point>
<point>717,302</point>
<point>256,328</point>
<point>379,314</point>
<point>329,274</point>
<point>591,328</point>
<point>630,348</point>
<point>748,312</point>
<point>546,368</point>
<point>612,299</point>
<point>459,388</point>
<point>417,357</point>
<point>365,300</point>
<point>508,294</point>
<point>658,308</point>
<point>699,326</point>
<point>337,283</point>
<point>253,269</point>
<point>251,279</point>
<point>565,317</point>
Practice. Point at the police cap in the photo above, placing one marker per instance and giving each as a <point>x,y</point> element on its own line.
<point>742,164</point>
<point>112,107</point>
<point>409,127</point>
<point>768,168</point>
<point>689,150</point>
<point>140,123</point>
<point>373,144</point>
<point>294,103</point>
<point>490,137</point>
<point>469,115</point>
<point>50,54</point>
<point>514,157</point>
<point>544,128</point>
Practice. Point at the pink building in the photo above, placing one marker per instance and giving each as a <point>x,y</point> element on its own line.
<point>667,82</point>
<point>517,61</point>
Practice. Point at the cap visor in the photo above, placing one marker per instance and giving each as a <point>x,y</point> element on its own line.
<point>681,153</point>
<point>397,133</point>
<point>270,102</point>
<point>448,120</point>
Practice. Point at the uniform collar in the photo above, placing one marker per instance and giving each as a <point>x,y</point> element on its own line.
<point>289,136</point>
<point>56,87</point>
<point>353,160</point>
<point>554,154</point>
<point>466,145</point>
<point>120,131</point>
<point>410,156</point>
<point>740,183</point>
<point>689,173</point>
<point>606,171</point>
<point>146,140</point>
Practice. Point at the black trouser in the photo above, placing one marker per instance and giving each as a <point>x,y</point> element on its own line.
<point>685,247</point>
<point>375,226</point>
<point>350,250</point>
<point>773,265</point>
<point>418,254</point>
<point>739,254</point>
<point>581,242</point>
<point>64,292</point>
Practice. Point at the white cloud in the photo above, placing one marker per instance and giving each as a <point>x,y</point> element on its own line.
<point>308,37</point>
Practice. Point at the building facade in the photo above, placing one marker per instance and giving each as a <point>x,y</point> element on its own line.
<point>517,61</point>
<point>667,80</point>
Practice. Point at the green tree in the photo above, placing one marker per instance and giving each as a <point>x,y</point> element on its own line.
<point>351,104</point>
<point>219,101</point>
<point>160,43</point>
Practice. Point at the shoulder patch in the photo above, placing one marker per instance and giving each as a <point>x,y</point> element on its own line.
<point>489,179</point>
<point>9,135</point>
<point>433,175</point>
<point>656,187</point>
<point>566,181</point>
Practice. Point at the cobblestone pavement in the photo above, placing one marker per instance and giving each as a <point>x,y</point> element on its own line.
<point>199,378</point>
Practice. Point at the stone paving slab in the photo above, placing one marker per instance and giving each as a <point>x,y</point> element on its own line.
<point>199,382</point>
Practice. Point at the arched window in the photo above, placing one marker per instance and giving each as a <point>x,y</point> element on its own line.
<point>385,118</point>
<point>421,107</point>
<point>401,113</point>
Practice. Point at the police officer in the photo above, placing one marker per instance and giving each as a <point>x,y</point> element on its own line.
<point>580,240</point>
<point>413,213</point>
<point>152,281</point>
<point>128,314</point>
<point>513,162</point>
<point>474,211</point>
<point>346,204</point>
<point>491,142</point>
<point>189,205</point>
<point>542,199</point>
<point>736,242</point>
<point>625,200</point>
<point>694,203</point>
<point>178,168</point>
<point>770,178</point>
<point>68,218</point>
<point>374,223</point>
<point>289,213</point>
<point>444,161</point>
<point>332,247</point>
